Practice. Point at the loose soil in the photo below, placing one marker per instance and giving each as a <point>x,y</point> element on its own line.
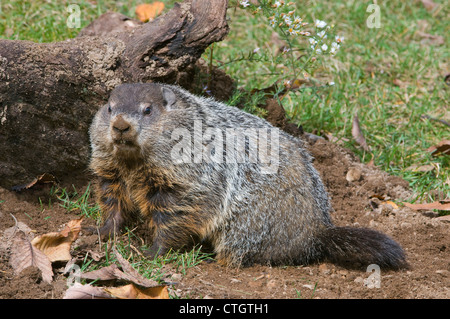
<point>358,203</point>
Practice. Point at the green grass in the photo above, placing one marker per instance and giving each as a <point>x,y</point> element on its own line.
<point>74,201</point>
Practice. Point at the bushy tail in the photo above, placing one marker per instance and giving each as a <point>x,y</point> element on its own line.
<point>356,247</point>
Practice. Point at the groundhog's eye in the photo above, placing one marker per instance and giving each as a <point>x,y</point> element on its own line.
<point>109,109</point>
<point>147,110</point>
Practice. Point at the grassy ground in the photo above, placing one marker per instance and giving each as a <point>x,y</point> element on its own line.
<point>387,74</point>
<point>391,76</point>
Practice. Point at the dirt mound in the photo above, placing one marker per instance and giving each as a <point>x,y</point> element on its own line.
<point>360,196</point>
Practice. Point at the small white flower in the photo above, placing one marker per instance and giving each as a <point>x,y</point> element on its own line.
<point>255,50</point>
<point>277,4</point>
<point>331,83</point>
<point>244,3</point>
<point>312,41</point>
<point>273,23</point>
<point>320,24</point>
<point>324,47</point>
<point>288,21</point>
<point>292,31</point>
<point>286,50</point>
<point>339,39</point>
<point>322,34</point>
<point>297,20</point>
<point>334,47</point>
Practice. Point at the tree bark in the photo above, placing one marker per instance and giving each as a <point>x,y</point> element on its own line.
<point>49,92</point>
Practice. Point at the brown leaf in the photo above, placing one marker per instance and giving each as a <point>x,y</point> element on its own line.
<point>422,168</point>
<point>443,147</point>
<point>72,228</point>
<point>358,135</point>
<point>130,274</point>
<point>429,5</point>
<point>132,291</point>
<point>79,291</point>
<point>105,273</point>
<point>24,255</point>
<point>148,11</point>
<point>434,205</point>
<point>399,83</point>
<point>380,197</point>
<point>391,203</point>
<point>56,246</point>
<point>40,180</point>
<point>430,38</point>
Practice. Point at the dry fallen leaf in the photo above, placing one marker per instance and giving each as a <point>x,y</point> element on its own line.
<point>72,228</point>
<point>105,273</point>
<point>430,38</point>
<point>380,197</point>
<point>422,168</point>
<point>79,291</point>
<point>400,83</point>
<point>130,274</point>
<point>434,205</point>
<point>56,246</point>
<point>40,180</point>
<point>391,203</point>
<point>148,11</point>
<point>132,291</point>
<point>358,135</point>
<point>24,255</point>
<point>443,147</point>
<point>429,5</point>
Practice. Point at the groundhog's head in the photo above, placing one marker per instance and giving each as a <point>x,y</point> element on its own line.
<point>131,123</point>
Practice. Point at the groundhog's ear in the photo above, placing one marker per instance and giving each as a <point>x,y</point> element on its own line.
<point>169,97</point>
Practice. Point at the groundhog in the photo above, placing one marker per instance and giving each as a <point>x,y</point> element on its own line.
<point>202,172</point>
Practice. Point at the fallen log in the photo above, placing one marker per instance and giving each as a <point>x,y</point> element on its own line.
<point>49,92</point>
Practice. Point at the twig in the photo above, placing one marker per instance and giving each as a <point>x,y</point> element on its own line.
<point>15,226</point>
<point>424,116</point>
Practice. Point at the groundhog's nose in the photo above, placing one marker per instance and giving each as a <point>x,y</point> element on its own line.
<point>120,125</point>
